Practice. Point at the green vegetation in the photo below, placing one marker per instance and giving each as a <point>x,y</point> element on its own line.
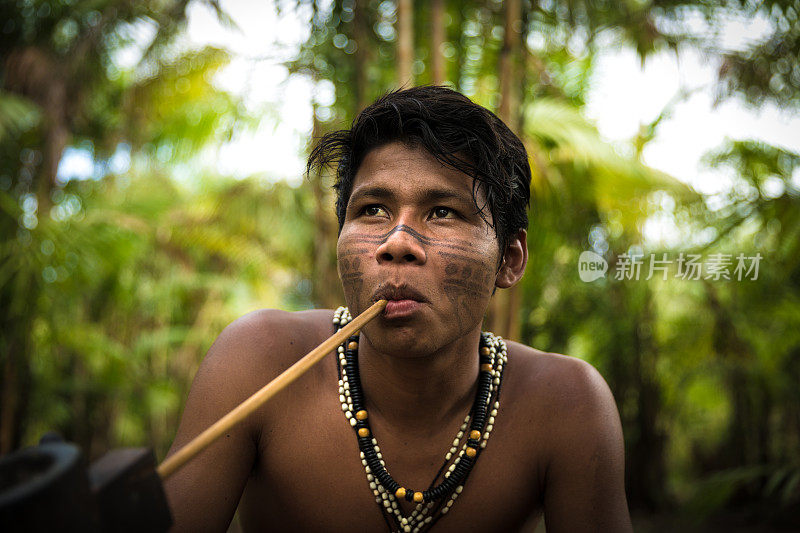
<point>113,288</point>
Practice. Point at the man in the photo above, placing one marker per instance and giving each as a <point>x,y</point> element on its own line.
<point>432,207</point>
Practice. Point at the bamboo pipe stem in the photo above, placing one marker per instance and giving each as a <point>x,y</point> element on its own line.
<point>174,462</point>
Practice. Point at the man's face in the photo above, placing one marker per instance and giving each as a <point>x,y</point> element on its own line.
<point>412,235</point>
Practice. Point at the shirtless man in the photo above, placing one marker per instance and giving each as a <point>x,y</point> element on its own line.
<point>432,207</point>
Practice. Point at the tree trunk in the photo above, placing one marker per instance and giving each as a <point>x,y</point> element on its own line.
<point>503,316</point>
<point>437,40</point>
<point>508,72</point>
<point>405,43</point>
<point>9,400</point>
<point>32,73</point>
<point>326,290</point>
<point>361,36</point>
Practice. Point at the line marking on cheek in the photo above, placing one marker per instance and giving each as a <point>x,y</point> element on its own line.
<point>380,239</point>
<point>460,257</point>
<point>354,251</point>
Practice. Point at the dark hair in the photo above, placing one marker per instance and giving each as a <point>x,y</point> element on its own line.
<point>456,131</point>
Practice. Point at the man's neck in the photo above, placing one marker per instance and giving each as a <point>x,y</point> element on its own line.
<point>420,393</point>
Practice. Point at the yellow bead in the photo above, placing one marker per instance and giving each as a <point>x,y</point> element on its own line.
<point>363,432</point>
<point>485,351</point>
<point>361,415</point>
<point>471,452</point>
<point>486,367</point>
<point>400,493</point>
<point>418,497</point>
<point>474,434</point>
<point>352,346</point>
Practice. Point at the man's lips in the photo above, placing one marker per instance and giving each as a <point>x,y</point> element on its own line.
<point>400,308</point>
<point>402,300</point>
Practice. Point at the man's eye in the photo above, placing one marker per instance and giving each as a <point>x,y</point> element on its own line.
<point>442,212</point>
<point>374,211</point>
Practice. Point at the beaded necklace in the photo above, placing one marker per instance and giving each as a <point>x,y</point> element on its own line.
<point>437,500</point>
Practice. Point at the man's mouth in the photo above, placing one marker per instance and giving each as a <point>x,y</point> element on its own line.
<point>403,301</point>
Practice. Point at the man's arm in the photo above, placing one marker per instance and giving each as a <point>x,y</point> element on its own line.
<point>585,477</point>
<point>204,493</point>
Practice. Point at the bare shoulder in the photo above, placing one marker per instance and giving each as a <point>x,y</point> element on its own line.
<point>575,427</point>
<point>557,378</point>
<point>267,341</point>
<point>565,395</point>
<point>249,353</point>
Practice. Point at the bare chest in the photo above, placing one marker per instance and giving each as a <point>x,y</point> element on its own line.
<point>309,476</point>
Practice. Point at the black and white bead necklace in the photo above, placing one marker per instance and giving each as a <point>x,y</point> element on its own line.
<point>437,500</point>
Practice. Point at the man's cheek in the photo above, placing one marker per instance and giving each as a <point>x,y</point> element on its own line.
<point>351,273</point>
<point>466,283</point>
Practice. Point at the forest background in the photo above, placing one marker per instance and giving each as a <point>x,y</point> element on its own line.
<point>112,287</point>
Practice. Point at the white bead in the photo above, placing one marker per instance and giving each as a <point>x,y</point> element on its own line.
<point>361,454</point>
<point>364,462</point>
<point>483,444</point>
<point>348,414</point>
<point>407,529</point>
<point>373,486</point>
<point>494,411</point>
<point>449,455</point>
<point>374,441</point>
<point>445,509</point>
<point>455,442</point>
<point>386,503</point>
<point>341,398</point>
<point>404,521</point>
<point>459,489</point>
<point>489,428</point>
<point>428,520</point>
<point>353,422</point>
<point>491,420</point>
<point>370,477</point>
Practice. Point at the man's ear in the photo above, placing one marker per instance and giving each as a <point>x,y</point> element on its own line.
<point>514,261</point>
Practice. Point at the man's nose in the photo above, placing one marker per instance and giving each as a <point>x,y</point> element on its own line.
<point>402,245</point>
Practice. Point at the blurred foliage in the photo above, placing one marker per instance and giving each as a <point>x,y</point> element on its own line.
<point>112,288</point>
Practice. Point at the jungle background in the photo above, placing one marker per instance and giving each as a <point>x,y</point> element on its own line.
<point>113,286</point>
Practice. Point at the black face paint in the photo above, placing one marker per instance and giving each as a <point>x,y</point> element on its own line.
<point>402,227</point>
<point>463,246</point>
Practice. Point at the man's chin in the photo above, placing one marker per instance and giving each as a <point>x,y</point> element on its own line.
<point>398,338</point>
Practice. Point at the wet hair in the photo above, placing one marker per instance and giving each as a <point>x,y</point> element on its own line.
<point>457,132</point>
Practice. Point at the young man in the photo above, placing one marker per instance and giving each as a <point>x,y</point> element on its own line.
<point>432,206</point>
